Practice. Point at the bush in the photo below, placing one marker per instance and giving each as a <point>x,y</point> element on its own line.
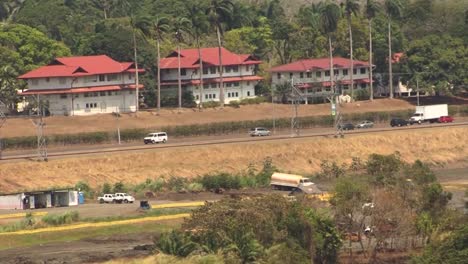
<point>85,188</point>
<point>210,104</point>
<point>195,187</point>
<point>221,180</point>
<point>176,183</point>
<point>256,100</point>
<point>61,219</point>
<point>106,188</point>
<point>119,187</point>
<point>234,104</point>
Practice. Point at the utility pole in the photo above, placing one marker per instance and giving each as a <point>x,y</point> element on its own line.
<point>39,124</point>
<point>137,81</point>
<point>273,110</point>
<point>296,97</point>
<point>417,89</point>
<point>335,111</point>
<point>2,121</point>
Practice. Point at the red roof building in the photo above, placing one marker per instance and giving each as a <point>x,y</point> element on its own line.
<point>239,74</point>
<point>84,85</point>
<point>312,76</point>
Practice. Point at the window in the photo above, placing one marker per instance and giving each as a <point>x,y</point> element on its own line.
<point>228,84</point>
<point>109,93</point>
<point>209,96</point>
<point>247,68</point>
<point>205,70</point>
<point>345,72</point>
<point>237,94</point>
<point>212,70</point>
<point>327,73</point>
<point>336,72</point>
<point>363,70</point>
<point>291,75</point>
<point>35,82</point>
<point>235,68</point>
<point>319,74</point>
<point>113,77</point>
<point>96,94</point>
<point>328,89</point>
<point>102,78</point>
<point>214,95</point>
<point>86,95</point>
<point>301,75</point>
<point>90,79</point>
<point>228,69</point>
<point>319,90</point>
<point>345,87</point>
<point>363,85</point>
<point>63,96</point>
<point>130,92</point>
<point>236,84</point>
<point>229,94</point>
<point>62,80</point>
<point>206,96</point>
<point>183,72</point>
<point>278,75</point>
<point>248,83</point>
<point>206,86</point>
<point>197,97</point>
<point>354,71</point>
<point>309,75</point>
<point>47,79</point>
<point>103,93</point>
<point>130,76</point>
<point>214,85</point>
<point>248,93</point>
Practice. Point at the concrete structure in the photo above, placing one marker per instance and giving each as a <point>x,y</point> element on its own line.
<point>39,199</point>
<point>312,76</point>
<point>239,77</point>
<point>83,85</point>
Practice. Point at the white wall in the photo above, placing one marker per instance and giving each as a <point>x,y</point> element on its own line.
<point>84,81</point>
<point>172,74</point>
<point>72,198</point>
<point>13,201</point>
<point>286,76</point>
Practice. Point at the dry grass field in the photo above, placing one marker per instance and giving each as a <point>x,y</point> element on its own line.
<point>16,127</point>
<point>439,146</point>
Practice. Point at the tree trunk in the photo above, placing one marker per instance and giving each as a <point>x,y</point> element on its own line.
<point>159,78</point>
<point>200,104</point>
<point>390,74</point>
<point>370,62</point>
<point>332,85</point>
<point>179,81</point>
<point>221,86</point>
<point>351,58</point>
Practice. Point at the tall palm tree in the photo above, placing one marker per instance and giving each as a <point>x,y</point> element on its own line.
<point>181,26</point>
<point>219,11</point>
<point>329,16</point>
<point>393,9</point>
<point>200,25</point>
<point>372,7</point>
<point>133,23</point>
<point>351,7</point>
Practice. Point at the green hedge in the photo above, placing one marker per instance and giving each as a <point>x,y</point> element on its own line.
<point>210,128</point>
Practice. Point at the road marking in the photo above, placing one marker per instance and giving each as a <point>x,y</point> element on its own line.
<point>91,225</point>
<point>172,205</point>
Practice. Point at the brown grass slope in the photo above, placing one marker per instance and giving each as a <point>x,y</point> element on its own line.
<point>295,155</point>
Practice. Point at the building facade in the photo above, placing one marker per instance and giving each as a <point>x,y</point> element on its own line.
<point>239,74</point>
<point>84,85</point>
<point>312,76</point>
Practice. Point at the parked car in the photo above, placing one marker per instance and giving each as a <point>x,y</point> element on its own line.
<point>106,198</point>
<point>445,119</point>
<point>347,126</point>
<point>399,122</point>
<point>123,198</point>
<point>365,124</point>
<point>154,138</point>
<point>259,131</point>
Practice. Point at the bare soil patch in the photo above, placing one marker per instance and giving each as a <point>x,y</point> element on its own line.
<point>17,127</point>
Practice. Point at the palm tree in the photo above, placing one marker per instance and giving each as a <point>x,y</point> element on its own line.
<point>200,26</point>
<point>393,9</point>
<point>8,9</point>
<point>351,7</point>
<point>372,7</point>
<point>219,11</point>
<point>181,26</point>
<point>133,24</point>
<point>329,16</point>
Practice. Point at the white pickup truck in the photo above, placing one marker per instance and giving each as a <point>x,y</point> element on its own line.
<point>106,198</point>
<point>123,198</point>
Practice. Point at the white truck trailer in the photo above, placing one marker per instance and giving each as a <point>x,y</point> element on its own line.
<point>283,181</point>
<point>429,113</point>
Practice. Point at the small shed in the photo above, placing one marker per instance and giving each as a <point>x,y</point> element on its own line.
<point>39,199</point>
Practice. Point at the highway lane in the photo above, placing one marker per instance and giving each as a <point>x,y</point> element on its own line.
<point>58,152</point>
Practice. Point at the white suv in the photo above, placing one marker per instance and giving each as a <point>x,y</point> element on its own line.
<point>156,138</point>
<point>123,197</point>
<point>259,131</point>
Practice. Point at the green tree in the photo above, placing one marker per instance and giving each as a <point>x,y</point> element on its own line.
<point>218,12</point>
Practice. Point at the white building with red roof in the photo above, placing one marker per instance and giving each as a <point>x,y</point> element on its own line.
<point>239,74</point>
<point>312,76</point>
<point>84,85</point>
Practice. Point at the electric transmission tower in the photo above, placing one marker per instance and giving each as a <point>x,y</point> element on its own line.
<point>296,98</point>
<point>2,121</point>
<point>39,123</point>
<point>336,113</point>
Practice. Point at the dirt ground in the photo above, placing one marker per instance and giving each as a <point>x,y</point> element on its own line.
<point>16,127</point>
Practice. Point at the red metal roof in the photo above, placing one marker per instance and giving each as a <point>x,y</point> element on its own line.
<point>210,56</point>
<point>81,89</point>
<point>80,66</point>
<point>320,64</point>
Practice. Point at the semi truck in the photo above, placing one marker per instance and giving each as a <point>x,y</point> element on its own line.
<point>429,113</point>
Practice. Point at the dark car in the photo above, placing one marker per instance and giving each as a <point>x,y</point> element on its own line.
<point>399,122</point>
<point>347,126</point>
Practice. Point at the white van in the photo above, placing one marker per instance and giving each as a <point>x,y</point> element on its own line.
<point>157,137</point>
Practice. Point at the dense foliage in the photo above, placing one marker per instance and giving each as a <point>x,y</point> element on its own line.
<point>277,31</point>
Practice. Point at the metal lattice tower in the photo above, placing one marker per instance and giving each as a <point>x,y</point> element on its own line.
<point>41,140</point>
<point>2,122</point>
<point>338,119</point>
<point>296,98</point>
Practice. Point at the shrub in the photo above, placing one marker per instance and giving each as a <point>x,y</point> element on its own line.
<point>195,187</point>
<point>106,188</point>
<point>61,219</point>
<point>119,187</point>
<point>221,180</point>
<point>176,183</point>
<point>156,185</point>
<point>256,100</point>
<point>210,104</point>
<point>234,104</point>
<point>85,188</point>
